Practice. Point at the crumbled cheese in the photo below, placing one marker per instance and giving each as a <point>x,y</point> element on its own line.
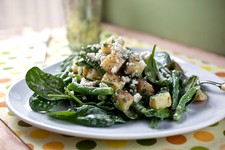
<point>114,70</point>
<point>119,50</point>
<point>93,56</point>
<point>142,63</point>
<point>125,79</point>
<point>84,97</point>
<point>144,55</point>
<point>86,82</point>
<point>134,81</point>
<point>103,85</point>
<point>120,40</point>
<point>137,97</point>
<point>70,74</point>
<point>102,58</point>
<point>80,70</point>
<point>130,64</point>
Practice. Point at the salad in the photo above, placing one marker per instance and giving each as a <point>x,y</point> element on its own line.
<point>107,83</point>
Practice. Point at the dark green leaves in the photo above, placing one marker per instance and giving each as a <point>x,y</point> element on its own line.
<point>88,115</point>
<point>44,84</point>
<point>40,104</point>
<point>154,69</point>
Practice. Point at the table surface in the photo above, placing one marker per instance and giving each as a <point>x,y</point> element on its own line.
<point>20,53</point>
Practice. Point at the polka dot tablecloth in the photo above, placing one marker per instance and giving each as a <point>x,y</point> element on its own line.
<point>17,56</point>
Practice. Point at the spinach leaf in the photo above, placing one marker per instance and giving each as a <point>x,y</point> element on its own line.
<point>44,84</point>
<point>152,70</point>
<point>88,115</point>
<point>162,59</point>
<point>40,104</point>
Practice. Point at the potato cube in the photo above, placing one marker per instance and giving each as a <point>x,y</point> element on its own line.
<point>200,96</point>
<point>113,80</point>
<point>160,101</point>
<point>105,49</point>
<point>123,100</point>
<point>134,67</point>
<point>93,74</point>
<point>85,71</point>
<point>145,88</point>
<point>75,68</point>
<point>112,63</point>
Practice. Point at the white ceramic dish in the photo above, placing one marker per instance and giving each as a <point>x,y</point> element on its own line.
<point>198,115</point>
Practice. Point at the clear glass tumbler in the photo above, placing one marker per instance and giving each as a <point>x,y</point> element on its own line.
<point>82,19</point>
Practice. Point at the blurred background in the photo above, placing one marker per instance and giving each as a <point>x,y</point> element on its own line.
<point>194,23</point>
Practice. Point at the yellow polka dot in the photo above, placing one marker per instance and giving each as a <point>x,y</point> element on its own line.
<point>116,143</point>
<point>222,147</point>
<point>177,139</point>
<point>39,134</point>
<point>206,67</point>
<point>18,133</point>
<point>53,146</point>
<point>204,136</point>
<point>2,95</point>
<point>15,73</point>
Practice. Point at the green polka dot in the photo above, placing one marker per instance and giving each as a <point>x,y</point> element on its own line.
<point>147,142</point>
<point>2,63</point>
<point>215,124</point>
<point>199,148</point>
<point>7,68</point>
<point>10,113</point>
<point>13,57</point>
<point>5,53</point>
<point>23,124</point>
<point>86,144</point>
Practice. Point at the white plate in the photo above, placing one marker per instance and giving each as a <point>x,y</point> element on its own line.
<point>198,115</point>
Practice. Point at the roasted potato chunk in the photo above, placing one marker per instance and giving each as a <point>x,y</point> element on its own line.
<point>93,74</point>
<point>134,66</point>
<point>112,63</point>
<point>145,88</point>
<point>113,80</point>
<point>123,100</point>
<point>200,96</point>
<point>160,101</point>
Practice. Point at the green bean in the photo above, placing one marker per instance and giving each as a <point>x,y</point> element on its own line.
<point>176,88</point>
<point>90,90</point>
<point>181,107</point>
<point>159,113</point>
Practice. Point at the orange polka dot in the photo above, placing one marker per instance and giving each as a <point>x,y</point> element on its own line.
<point>116,143</point>
<point>2,95</point>
<point>53,146</point>
<point>39,134</point>
<point>2,104</point>
<point>204,136</point>
<point>222,147</point>
<point>220,74</point>
<point>4,80</point>
<point>177,139</point>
